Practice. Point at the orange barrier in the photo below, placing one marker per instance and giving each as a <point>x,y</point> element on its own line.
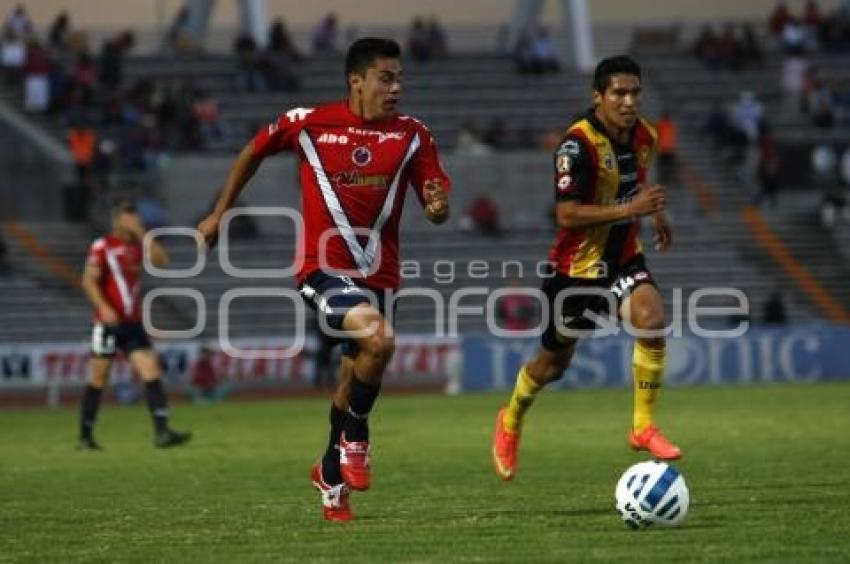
<point>828,305</point>
<point>43,255</point>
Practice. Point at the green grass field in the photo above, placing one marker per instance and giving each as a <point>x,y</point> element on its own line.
<point>767,468</point>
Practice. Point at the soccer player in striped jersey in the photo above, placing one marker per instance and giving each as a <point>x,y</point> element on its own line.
<point>601,192</point>
<point>356,158</point>
<point>112,283</point>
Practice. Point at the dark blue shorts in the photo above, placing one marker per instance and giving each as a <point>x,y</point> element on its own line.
<point>106,340</point>
<point>332,297</point>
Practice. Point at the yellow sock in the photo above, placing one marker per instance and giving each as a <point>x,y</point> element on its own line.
<point>524,393</point>
<point>648,368</point>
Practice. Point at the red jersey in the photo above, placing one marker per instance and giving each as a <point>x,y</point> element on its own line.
<point>354,175</point>
<point>120,264</point>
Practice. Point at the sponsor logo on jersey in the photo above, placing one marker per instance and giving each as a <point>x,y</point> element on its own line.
<point>643,156</point>
<point>568,147</point>
<point>330,138</point>
<point>354,179</point>
<point>565,182</point>
<point>381,135</point>
<point>361,156</point>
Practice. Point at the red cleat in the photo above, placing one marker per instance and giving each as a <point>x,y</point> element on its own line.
<point>657,444</point>
<point>505,447</point>
<point>334,498</point>
<point>354,463</point>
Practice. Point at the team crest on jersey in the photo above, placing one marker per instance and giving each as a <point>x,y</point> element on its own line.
<point>361,156</point>
<point>563,163</point>
<point>608,161</point>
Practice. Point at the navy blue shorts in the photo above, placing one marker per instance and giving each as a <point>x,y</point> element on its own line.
<point>106,340</point>
<point>332,296</point>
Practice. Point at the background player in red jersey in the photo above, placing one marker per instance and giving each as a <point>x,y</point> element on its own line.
<point>600,188</point>
<point>356,159</point>
<point>111,281</point>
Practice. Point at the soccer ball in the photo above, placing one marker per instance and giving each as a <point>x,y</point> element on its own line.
<point>652,492</point>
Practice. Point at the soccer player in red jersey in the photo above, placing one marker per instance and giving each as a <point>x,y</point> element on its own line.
<point>356,160</point>
<point>112,283</point>
<point>601,192</point>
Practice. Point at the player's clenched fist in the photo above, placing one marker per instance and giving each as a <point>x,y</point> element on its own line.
<point>436,202</point>
<point>208,228</point>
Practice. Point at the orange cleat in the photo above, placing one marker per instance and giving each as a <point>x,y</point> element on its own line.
<point>656,443</point>
<point>505,447</point>
<point>354,463</point>
<point>334,498</point>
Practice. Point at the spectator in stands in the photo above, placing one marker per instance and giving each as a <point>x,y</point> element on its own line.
<point>281,59</point>
<point>13,56</point>
<point>437,39</point>
<point>482,216</point>
<point>819,103</point>
<point>668,143</point>
<point>82,142</point>
<point>19,22</point>
<point>767,170</point>
<point>111,62</point>
<point>325,35</point>
<point>793,79</point>
<point>835,30</point>
<point>516,311</point>
<point>249,75</point>
<point>36,83</point>
<point>778,19</point>
<point>824,163</point>
<point>536,53</point>
<point>730,52</point>
<point>751,48</point>
<point>418,44</point>
<point>794,37</point>
<point>812,18</point>
<point>497,135</point>
<point>748,114</point>
<point>208,117</point>
<point>727,140</point>
<point>60,30</point>
<point>774,309</point>
<point>280,40</point>
<point>706,48</point>
<point>84,76</point>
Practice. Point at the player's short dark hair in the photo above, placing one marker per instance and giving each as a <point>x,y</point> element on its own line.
<point>364,51</point>
<point>621,64</point>
<point>123,206</point>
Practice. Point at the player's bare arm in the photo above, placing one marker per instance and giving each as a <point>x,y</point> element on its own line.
<point>436,202</point>
<point>89,283</point>
<point>243,169</point>
<point>574,215</point>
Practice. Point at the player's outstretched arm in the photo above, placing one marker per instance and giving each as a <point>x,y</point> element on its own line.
<point>572,214</point>
<point>241,171</point>
<point>436,202</point>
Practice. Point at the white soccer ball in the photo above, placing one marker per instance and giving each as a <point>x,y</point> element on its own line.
<point>652,493</point>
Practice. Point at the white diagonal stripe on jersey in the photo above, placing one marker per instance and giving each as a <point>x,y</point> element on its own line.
<point>375,235</point>
<point>115,268</point>
<point>332,203</point>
